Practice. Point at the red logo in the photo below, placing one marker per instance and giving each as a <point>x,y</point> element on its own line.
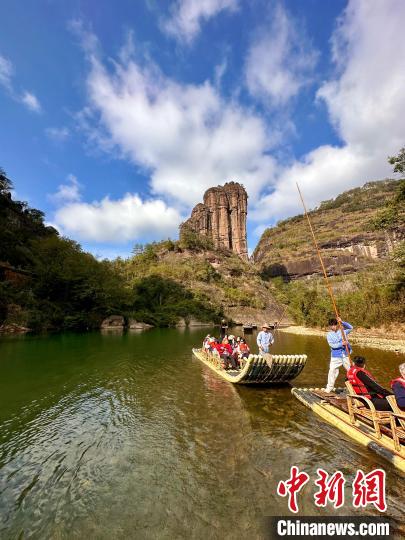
<point>369,489</point>
<point>331,490</point>
<point>292,486</point>
<point>366,489</point>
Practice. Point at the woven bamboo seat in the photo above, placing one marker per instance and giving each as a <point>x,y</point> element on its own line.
<point>362,407</point>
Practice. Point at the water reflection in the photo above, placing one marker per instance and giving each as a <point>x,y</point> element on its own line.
<point>117,436</point>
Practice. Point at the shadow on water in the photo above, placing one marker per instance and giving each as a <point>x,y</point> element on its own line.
<point>122,436</point>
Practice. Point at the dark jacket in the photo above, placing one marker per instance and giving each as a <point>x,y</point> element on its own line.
<point>372,386</point>
<point>399,391</point>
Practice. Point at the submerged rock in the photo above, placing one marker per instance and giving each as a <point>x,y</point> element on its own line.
<point>13,329</point>
<point>113,321</point>
<point>195,322</point>
<point>136,325</point>
<point>182,323</point>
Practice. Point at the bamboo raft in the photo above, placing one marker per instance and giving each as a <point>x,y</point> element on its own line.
<point>380,432</point>
<point>277,368</point>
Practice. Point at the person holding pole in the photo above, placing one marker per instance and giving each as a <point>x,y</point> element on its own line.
<point>264,339</point>
<point>337,336</point>
<point>340,349</point>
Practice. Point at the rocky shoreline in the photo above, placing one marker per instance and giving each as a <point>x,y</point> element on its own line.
<point>387,339</point>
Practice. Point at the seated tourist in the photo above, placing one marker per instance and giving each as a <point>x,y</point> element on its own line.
<point>364,384</point>
<point>206,342</point>
<point>398,387</point>
<point>241,352</point>
<point>232,341</point>
<point>225,352</point>
<point>244,350</point>
<point>208,345</point>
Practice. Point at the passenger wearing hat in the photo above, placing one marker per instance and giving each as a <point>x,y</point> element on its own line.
<point>232,341</point>
<point>265,339</point>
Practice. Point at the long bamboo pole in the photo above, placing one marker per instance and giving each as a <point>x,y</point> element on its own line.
<point>328,285</point>
<point>282,316</point>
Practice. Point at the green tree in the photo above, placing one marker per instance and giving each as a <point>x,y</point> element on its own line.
<point>398,161</point>
<point>5,183</point>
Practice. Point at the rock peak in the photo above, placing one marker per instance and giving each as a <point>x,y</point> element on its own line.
<point>222,217</point>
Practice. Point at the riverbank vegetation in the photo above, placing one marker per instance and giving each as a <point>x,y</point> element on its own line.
<point>368,299</point>
<point>47,282</point>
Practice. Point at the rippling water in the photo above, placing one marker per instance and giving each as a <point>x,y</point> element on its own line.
<point>128,436</point>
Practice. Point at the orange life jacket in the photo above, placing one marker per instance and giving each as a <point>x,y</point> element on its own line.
<point>358,386</point>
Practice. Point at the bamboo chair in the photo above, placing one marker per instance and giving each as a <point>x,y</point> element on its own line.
<point>363,407</point>
<point>398,431</point>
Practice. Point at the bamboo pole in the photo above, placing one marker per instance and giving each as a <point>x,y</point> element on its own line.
<point>328,285</point>
<point>282,317</point>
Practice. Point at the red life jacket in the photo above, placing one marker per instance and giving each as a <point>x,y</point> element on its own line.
<point>217,347</point>
<point>400,380</point>
<point>358,386</point>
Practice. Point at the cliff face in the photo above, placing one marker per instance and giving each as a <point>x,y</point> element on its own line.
<point>222,218</point>
<point>342,227</point>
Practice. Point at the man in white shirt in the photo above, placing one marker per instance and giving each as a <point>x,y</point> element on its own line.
<point>264,339</point>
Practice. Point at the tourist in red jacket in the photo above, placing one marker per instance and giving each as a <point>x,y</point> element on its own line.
<point>225,352</point>
<point>365,385</point>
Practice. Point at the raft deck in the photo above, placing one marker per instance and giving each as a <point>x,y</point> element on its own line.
<point>276,368</point>
<point>334,410</point>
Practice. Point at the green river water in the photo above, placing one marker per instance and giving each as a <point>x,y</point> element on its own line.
<point>129,436</point>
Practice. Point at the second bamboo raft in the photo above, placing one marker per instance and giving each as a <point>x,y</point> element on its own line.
<point>334,409</point>
<point>276,368</point>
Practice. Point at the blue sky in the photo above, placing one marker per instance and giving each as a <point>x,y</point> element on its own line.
<point>117,116</point>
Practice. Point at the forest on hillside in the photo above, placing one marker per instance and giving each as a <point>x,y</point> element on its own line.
<point>48,283</point>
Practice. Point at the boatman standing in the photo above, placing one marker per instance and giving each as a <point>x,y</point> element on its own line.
<point>338,350</point>
<point>264,339</point>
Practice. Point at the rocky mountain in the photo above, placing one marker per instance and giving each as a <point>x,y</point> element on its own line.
<point>218,278</point>
<point>346,232</point>
<point>221,218</point>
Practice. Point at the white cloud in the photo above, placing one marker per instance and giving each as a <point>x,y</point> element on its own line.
<point>6,72</point>
<point>57,134</point>
<point>189,137</point>
<point>186,136</point>
<point>219,72</point>
<point>67,193</point>
<point>118,221</point>
<point>6,80</point>
<point>366,104</point>
<point>188,15</point>
<point>30,101</point>
<point>280,60</point>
